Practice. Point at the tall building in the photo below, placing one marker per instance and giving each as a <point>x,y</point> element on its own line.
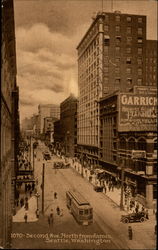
<point>151,62</point>
<point>9,122</point>
<point>48,129</point>
<point>47,110</point>
<point>111,57</point>
<point>68,123</point>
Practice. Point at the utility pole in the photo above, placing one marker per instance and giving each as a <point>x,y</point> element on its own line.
<point>43,172</point>
<point>122,184</point>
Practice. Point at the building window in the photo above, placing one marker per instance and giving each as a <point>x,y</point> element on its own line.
<point>106,69</point>
<point>139,61</point>
<point>129,40</point>
<point>140,50</point>
<point>139,71</point>
<point>128,50</point>
<point>106,18</point>
<point>128,70</point>
<point>117,28</point>
<point>117,70</point>
<point>106,79</point>
<point>129,18</point>
<point>106,28</point>
<point>128,60</point>
<point>117,18</point>
<point>140,40</point>
<point>139,81</point>
<point>117,49</point>
<point>106,49</point>
<point>140,19</point>
<point>129,81</point>
<point>118,40</point>
<point>129,30</point>
<point>117,81</point>
<point>117,60</point>
<point>140,31</point>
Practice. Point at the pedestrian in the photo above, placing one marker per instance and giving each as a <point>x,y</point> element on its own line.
<point>143,208</point>
<point>58,210</point>
<point>61,212</point>
<point>17,202</point>
<point>55,195</point>
<point>21,202</point>
<point>105,189</point>
<point>49,220</point>
<point>147,214</point>
<point>130,233</point>
<point>25,217</point>
<point>37,213</point>
<point>136,209</point>
<point>27,205</point>
<point>30,193</point>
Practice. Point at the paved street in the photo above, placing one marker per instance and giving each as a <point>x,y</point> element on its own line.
<point>106,228</point>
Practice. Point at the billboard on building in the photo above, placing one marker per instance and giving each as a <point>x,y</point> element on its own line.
<point>137,111</point>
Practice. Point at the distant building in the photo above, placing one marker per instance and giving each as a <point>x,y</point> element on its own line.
<point>48,129</point>
<point>151,62</point>
<point>57,135</point>
<point>128,139</point>
<point>68,123</point>
<point>47,110</point>
<point>9,123</point>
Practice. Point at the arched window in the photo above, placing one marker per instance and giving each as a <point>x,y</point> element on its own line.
<point>131,144</point>
<point>141,144</point>
<point>122,143</point>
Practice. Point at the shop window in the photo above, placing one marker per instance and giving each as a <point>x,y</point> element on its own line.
<point>131,144</point>
<point>142,144</point>
<point>122,143</point>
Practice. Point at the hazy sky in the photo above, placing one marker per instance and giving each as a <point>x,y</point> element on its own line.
<point>47,34</point>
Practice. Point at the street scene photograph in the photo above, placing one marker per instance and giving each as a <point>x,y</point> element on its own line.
<point>78,124</point>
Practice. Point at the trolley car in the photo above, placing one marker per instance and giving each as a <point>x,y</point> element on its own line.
<point>79,207</point>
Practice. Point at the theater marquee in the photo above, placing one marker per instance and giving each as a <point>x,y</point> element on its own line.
<point>137,112</point>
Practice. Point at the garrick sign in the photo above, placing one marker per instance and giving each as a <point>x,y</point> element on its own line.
<point>137,111</point>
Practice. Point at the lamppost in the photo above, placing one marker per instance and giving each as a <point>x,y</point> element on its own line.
<point>37,196</point>
<point>122,183</point>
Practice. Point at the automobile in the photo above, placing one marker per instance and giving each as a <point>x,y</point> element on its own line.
<point>47,156</point>
<point>133,217</point>
<point>98,188</point>
<point>61,165</point>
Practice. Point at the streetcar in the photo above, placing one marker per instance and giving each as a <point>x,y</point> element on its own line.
<point>79,207</point>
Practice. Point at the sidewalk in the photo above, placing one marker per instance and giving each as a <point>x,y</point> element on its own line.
<point>31,212</point>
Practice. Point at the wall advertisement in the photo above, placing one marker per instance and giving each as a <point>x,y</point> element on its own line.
<point>137,112</point>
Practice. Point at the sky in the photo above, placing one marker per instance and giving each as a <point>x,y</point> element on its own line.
<point>47,34</point>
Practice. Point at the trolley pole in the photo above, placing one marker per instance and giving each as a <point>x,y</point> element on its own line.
<point>43,172</point>
<point>122,185</point>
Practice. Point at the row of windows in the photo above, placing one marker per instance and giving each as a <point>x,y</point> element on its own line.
<point>118,81</point>
<point>128,29</point>
<point>128,70</point>
<point>128,18</point>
